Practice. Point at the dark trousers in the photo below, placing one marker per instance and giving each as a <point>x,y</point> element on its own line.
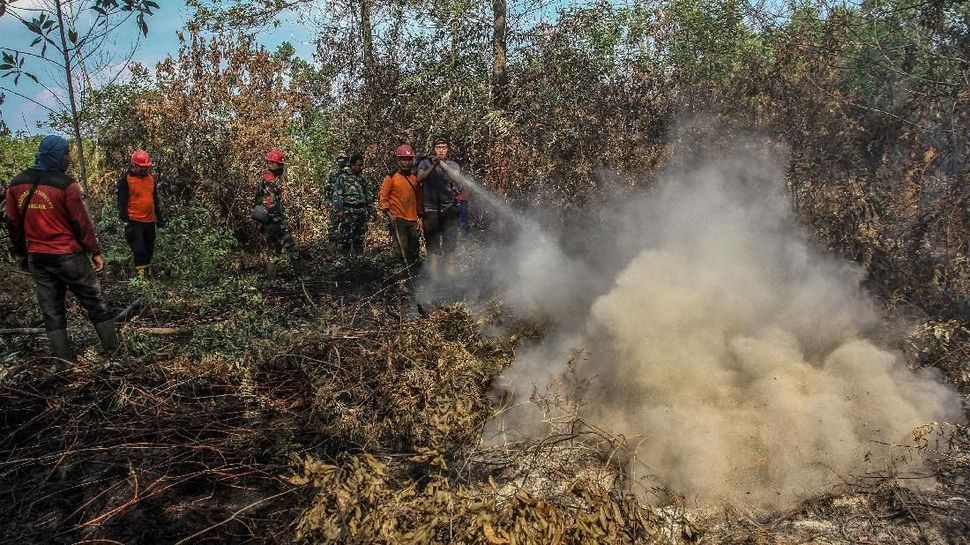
<point>141,240</point>
<point>441,231</point>
<point>463,225</point>
<point>404,237</point>
<point>54,274</point>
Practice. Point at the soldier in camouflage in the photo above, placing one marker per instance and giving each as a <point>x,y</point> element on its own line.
<point>276,230</point>
<point>329,188</point>
<point>353,203</point>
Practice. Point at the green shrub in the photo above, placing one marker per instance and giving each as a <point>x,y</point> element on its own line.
<point>231,338</point>
<point>16,154</point>
<point>192,249</point>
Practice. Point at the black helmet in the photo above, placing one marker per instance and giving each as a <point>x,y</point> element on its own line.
<point>260,214</point>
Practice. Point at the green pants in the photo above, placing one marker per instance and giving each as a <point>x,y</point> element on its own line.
<point>333,224</point>
<point>279,237</point>
<point>353,228</point>
<point>404,237</point>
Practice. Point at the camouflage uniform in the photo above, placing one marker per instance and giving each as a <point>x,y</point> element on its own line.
<point>277,232</point>
<point>329,189</point>
<point>353,201</point>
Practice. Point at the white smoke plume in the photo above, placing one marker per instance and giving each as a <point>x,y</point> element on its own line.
<point>745,362</point>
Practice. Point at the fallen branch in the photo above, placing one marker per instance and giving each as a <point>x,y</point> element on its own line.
<point>233,516</point>
<point>39,330</point>
<point>22,331</point>
<point>124,314</point>
<point>158,330</point>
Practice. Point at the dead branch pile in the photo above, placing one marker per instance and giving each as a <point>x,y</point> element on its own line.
<point>359,500</point>
<point>420,386</point>
<point>317,412</point>
<point>151,456</point>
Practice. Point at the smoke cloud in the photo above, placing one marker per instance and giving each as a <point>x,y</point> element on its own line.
<point>743,363</point>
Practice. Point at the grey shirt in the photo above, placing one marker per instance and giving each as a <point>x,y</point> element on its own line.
<point>440,191</point>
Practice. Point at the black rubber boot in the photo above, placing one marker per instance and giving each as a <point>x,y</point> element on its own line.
<point>60,345</point>
<point>108,335</point>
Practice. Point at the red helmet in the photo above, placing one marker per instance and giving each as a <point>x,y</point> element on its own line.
<point>405,151</point>
<point>276,156</point>
<point>140,158</point>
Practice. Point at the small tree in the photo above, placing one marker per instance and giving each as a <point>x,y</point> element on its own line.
<point>73,32</point>
<point>211,114</point>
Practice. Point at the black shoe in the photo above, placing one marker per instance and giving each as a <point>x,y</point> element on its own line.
<point>109,336</point>
<point>60,345</point>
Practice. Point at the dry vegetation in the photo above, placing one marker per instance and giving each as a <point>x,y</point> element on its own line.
<point>323,411</point>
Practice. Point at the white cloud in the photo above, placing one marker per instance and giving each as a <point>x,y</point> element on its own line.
<point>30,4</point>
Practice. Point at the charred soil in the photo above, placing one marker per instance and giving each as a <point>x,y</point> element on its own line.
<point>322,410</point>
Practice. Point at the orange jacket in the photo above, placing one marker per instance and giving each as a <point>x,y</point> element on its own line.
<point>400,195</point>
<point>137,198</point>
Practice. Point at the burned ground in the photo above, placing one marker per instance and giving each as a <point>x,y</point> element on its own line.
<point>326,410</point>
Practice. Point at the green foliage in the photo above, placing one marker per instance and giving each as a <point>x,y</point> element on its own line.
<point>221,15</point>
<point>141,344</point>
<point>193,247</point>
<point>105,118</point>
<point>898,48</point>
<point>16,154</point>
<point>111,234</point>
<point>711,49</point>
<point>232,338</point>
<point>191,252</point>
<point>314,146</point>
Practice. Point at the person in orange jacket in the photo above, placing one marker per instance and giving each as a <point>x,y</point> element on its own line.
<point>139,210</point>
<point>398,201</point>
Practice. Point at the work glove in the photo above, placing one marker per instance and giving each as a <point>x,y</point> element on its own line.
<point>161,224</point>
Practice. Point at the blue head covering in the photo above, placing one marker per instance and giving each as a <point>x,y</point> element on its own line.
<point>50,154</point>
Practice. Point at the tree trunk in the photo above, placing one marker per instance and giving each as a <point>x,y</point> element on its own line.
<point>499,33</point>
<point>499,98</point>
<point>75,121</point>
<point>367,40</point>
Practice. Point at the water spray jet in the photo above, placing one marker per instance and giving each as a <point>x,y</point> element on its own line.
<point>487,196</point>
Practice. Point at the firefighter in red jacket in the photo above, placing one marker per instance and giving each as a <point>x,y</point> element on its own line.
<point>50,227</point>
<point>269,195</point>
<point>138,210</point>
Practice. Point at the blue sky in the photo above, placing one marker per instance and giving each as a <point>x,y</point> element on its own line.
<point>21,115</point>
